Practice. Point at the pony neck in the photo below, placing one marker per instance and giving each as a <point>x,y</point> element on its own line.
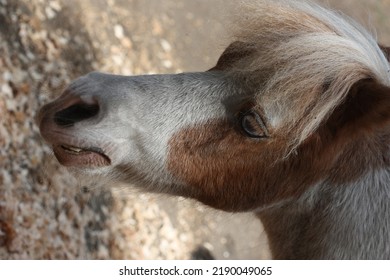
<point>334,222</point>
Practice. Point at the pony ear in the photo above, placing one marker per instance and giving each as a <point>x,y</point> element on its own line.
<point>386,51</point>
<point>232,54</point>
<point>365,110</point>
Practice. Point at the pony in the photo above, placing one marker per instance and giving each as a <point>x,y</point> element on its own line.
<point>292,123</point>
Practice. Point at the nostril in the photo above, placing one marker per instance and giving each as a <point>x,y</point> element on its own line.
<point>75,113</point>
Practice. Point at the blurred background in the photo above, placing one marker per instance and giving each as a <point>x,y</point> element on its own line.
<point>44,44</point>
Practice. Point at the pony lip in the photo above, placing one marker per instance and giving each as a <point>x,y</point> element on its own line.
<point>80,157</point>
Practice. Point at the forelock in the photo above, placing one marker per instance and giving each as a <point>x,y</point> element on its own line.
<point>305,58</point>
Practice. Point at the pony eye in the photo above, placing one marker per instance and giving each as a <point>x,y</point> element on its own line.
<point>253,125</point>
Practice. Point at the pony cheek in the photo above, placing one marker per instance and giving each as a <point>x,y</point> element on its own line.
<point>218,166</point>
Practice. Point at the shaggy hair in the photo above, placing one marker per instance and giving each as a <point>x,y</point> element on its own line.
<point>304,57</point>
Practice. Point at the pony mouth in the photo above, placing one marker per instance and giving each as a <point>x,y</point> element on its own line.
<point>75,156</point>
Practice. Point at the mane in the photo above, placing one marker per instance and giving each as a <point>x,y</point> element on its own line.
<point>304,57</point>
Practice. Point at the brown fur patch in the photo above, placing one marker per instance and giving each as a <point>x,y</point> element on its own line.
<point>227,170</point>
<point>386,51</point>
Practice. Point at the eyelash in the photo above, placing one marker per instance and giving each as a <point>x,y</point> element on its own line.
<point>252,124</point>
